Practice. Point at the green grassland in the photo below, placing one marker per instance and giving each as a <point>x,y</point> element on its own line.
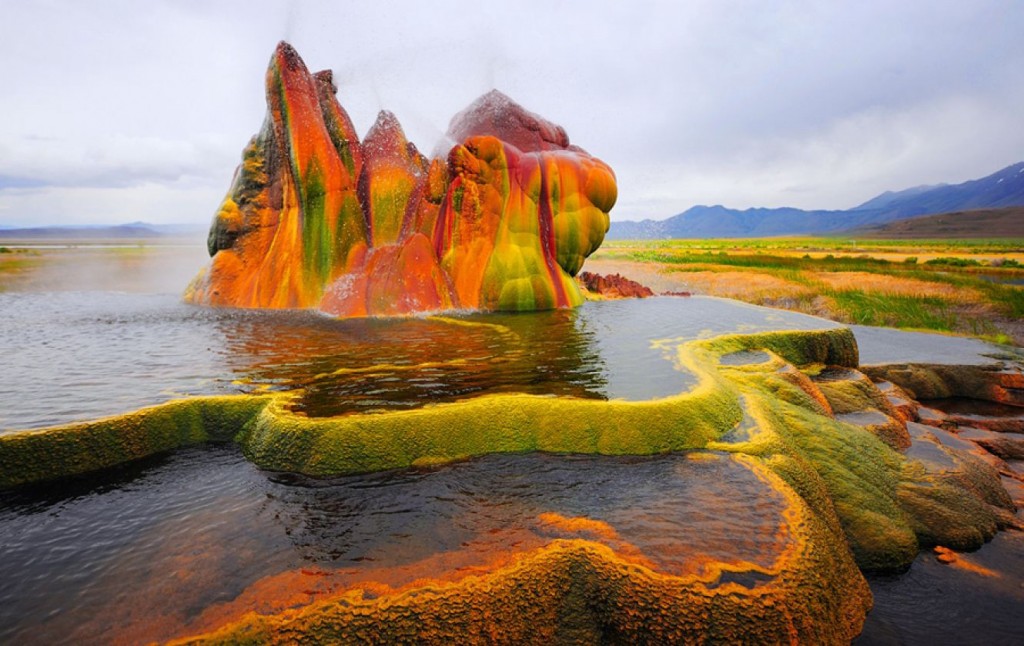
<point>812,244</point>
<point>971,287</point>
<point>15,264</point>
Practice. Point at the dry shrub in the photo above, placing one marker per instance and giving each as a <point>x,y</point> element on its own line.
<point>742,285</point>
<point>893,285</point>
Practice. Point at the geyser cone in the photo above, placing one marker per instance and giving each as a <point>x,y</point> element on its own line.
<point>504,223</point>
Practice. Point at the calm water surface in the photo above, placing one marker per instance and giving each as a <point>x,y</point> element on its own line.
<point>179,542</point>
<point>938,605</point>
<point>81,355</point>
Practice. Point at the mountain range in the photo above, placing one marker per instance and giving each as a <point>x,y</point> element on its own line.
<point>1000,189</point>
<point>1004,188</point>
<point>132,230</point>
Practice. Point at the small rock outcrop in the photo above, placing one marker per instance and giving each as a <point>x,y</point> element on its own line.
<point>614,286</point>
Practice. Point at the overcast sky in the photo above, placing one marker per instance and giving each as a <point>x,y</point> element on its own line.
<point>119,111</point>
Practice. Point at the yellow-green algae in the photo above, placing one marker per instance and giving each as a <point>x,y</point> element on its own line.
<point>855,399</point>
<point>580,591</point>
<point>59,451</point>
<point>508,423</point>
<point>886,504</point>
<point>843,482</point>
<point>853,394</point>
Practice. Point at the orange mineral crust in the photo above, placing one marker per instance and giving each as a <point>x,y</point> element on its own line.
<point>502,222</point>
<point>515,227</point>
<point>291,221</point>
<point>392,170</point>
<point>575,579</point>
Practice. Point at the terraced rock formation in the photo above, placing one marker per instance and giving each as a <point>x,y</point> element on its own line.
<point>847,484</point>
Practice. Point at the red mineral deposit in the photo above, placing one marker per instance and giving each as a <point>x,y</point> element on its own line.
<point>316,219</point>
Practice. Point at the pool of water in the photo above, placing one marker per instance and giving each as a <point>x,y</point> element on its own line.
<point>1003,278</point>
<point>183,541</point>
<point>180,542</point>
<point>81,355</point>
<point>940,604</point>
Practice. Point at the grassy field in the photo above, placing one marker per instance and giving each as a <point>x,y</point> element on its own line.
<point>15,265</point>
<point>972,287</point>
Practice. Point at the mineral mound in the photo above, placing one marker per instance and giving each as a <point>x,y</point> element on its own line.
<point>315,218</point>
<point>614,286</point>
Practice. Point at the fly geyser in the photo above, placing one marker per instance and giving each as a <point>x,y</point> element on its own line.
<point>317,219</point>
<point>632,471</point>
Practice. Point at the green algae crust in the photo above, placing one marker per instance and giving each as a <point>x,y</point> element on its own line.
<point>581,591</point>
<point>882,503</point>
<point>855,501</point>
<point>887,505</point>
<point>72,449</point>
<point>512,423</point>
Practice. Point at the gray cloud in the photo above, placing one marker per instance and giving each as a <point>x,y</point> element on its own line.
<point>118,108</point>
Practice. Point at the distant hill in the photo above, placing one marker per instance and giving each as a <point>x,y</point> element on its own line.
<point>133,230</point>
<point>1007,222</point>
<point>1001,189</point>
<point>890,198</point>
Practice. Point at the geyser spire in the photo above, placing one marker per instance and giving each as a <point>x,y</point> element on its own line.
<point>314,218</point>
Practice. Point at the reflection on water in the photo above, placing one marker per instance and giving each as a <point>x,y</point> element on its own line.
<point>941,604</point>
<point>81,355</point>
<point>1003,278</point>
<point>361,365</point>
<point>148,551</point>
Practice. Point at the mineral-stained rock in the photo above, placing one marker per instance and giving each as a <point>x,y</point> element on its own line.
<point>994,382</point>
<point>291,221</point>
<point>1009,446</point>
<point>392,170</point>
<point>496,115</point>
<point>1013,423</point>
<point>952,440</point>
<point>934,417</point>
<point>516,224</point>
<point>944,554</point>
<point>614,286</point>
<point>502,223</point>
<point>856,400</point>
<point>902,404</point>
<point>396,279</point>
<point>847,499</point>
